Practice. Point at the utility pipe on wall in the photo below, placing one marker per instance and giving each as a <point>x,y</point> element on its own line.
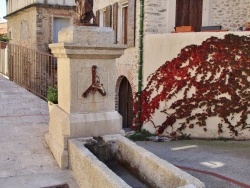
<point>140,67</point>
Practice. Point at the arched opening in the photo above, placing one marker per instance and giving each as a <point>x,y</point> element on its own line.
<point>126,103</point>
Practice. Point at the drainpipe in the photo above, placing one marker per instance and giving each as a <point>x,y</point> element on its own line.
<point>141,29</point>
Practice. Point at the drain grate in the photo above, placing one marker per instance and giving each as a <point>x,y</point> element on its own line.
<point>65,185</point>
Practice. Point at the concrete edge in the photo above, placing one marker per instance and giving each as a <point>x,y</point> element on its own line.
<point>87,168</point>
<point>163,165</point>
<point>61,156</point>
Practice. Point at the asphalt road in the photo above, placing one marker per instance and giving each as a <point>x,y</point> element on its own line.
<point>219,164</point>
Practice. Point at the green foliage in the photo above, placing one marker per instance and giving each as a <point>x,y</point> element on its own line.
<point>4,38</point>
<point>223,139</point>
<point>140,135</point>
<point>52,94</point>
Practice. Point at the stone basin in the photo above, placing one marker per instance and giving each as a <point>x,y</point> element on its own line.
<point>90,157</point>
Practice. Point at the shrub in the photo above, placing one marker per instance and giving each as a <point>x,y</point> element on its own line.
<point>52,94</point>
<point>4,38</point>
<point>140,135</point>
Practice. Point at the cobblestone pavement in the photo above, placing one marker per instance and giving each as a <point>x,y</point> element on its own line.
<point>25,159</point>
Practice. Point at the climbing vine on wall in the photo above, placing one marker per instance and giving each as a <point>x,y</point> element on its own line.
<point>213,80</point>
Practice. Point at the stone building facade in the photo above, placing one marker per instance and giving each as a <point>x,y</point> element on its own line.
<point>35,24</point>
<point>160,18</point>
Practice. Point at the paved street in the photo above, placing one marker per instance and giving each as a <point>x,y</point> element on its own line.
<point>25,160</point>
<point>218,164</point>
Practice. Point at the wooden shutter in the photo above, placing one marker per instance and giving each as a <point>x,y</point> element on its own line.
<point>108,16</point>
<point>196,14</point>
<point>189,12</point>
<point>131,23</point>
<point>115,20</point>
<point>125,24</point>
<point>97,17</point>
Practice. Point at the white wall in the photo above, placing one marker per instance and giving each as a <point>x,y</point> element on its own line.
<point>167,46</point>
<point>160,48</point>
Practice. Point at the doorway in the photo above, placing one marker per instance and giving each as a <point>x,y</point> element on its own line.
<point>189,13</point>
<point>126,103</point>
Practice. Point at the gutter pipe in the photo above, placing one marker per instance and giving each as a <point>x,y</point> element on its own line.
<point>140,63</point>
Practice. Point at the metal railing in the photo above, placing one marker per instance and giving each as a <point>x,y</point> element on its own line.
<point>33,70</point>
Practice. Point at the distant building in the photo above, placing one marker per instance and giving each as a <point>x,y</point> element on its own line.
<point>36,23</point>
<point>3,28</point>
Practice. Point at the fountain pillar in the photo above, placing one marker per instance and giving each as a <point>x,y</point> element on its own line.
<point>86,88</point>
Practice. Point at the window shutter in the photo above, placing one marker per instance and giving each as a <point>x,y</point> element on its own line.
<point>97,17</point>
<point>108,16</point>
<point>115,20</point>
<point>131,22</point>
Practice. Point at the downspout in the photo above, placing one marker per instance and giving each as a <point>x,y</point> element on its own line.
<point>140,63</point>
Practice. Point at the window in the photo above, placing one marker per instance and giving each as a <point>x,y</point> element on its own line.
<point>102,17</point>
<point>24,31</point>
<point>105,17</point>
<point>120,21</point>
<point>121,17</point>
<point>125,23</point>
<point>58,24</point>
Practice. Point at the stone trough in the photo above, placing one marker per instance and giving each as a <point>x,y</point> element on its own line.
<point>102,162</point>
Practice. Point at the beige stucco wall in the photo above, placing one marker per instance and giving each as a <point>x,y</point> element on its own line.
<point>165,48</point>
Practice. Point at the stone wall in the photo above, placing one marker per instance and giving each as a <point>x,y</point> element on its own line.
<point>155,22</point>
<point>231,14</point>
<point>155,16</point>
<point>27,20</point>
<point>44,25</point>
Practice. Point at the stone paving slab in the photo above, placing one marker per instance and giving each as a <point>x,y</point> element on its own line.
<point>25,159</point>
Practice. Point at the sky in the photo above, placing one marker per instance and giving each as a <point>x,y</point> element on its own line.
<point>2,8</point>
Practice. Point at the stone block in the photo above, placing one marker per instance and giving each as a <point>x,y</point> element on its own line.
<point>89,35</point>
<point>86,167</point>
<point>81,48</point>
<point>89,171</point>
<point>60,154</point>
<point>63,126</point>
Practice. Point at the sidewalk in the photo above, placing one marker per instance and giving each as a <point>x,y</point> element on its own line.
<point>25,159</point>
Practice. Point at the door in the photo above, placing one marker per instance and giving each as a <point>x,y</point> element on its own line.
<point>58,24</point>
<point>189,12</point>
<point>126,103</point>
